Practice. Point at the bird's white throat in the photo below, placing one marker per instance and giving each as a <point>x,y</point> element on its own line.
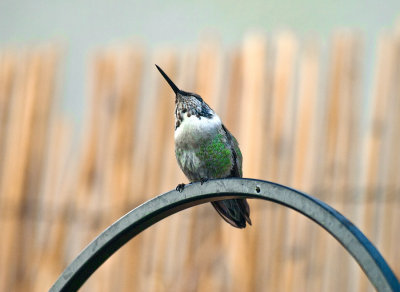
<point>192,128</point>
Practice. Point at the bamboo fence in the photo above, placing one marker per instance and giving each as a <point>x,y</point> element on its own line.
<point>302,116</point>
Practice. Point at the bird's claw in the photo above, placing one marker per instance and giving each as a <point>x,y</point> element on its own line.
<point>203,180</point>
<point>180,187</point>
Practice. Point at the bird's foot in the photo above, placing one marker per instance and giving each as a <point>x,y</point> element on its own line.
<point>203,180</point>
<point>180,187</point>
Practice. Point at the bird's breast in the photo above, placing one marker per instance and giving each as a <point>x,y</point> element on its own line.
<point>193,131</point>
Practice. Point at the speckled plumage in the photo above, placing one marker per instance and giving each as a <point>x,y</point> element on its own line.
<point>205,149</point>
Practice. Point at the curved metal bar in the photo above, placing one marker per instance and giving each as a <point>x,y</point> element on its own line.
<point>152,211</point>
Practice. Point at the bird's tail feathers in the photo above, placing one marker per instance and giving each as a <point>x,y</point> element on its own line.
<point>235,211</point>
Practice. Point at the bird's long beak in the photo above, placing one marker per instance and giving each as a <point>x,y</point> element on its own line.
<point>172,84</point>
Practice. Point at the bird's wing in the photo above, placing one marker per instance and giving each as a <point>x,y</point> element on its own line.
<point>235,211</point>
<point>237,155</point>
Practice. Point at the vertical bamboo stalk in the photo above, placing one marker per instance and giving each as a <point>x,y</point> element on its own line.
<point>374,140</point>
<point>279,142</point>
<point>304,159</point>
<point>90,203</point>
<point>37,151</point>
<point>15,163</point>
<point>343,154</point>
<point>388,242</point>
<point>8,66</point>
<point>7,77</point>
<point>128,79</point>
<point>303,170</point>
<point>324,169</point>
<point>50,235</point>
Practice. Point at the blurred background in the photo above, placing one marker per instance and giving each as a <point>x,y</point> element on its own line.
<point>311,90</point>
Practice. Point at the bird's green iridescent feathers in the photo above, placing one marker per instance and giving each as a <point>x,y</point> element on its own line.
<point>216,156</point>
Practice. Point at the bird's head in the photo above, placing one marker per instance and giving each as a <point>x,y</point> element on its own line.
<point>187,102</point>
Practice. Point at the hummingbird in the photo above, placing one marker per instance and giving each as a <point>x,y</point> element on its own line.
<point>205,149</point>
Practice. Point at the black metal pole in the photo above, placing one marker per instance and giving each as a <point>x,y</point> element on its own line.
<point>124,229</point>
